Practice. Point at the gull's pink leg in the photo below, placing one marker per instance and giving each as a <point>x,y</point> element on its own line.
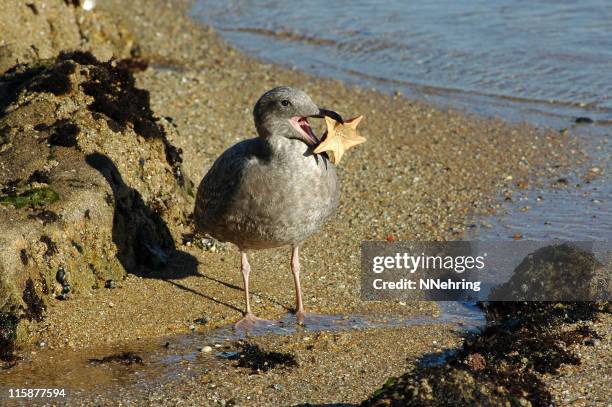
<point>295,268</point>
<point>250,320</point>
<point>246,269</point>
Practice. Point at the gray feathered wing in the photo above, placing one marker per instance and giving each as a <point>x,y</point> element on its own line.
<point>220,184</point>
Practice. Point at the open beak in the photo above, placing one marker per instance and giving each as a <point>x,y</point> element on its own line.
<point>300,123</point>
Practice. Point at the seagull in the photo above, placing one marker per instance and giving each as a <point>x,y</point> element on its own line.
<point>272,190</point>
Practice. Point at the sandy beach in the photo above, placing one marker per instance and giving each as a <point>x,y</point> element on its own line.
<point>424,174</point>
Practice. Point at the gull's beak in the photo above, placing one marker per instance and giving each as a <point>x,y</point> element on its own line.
<point>329,113</point>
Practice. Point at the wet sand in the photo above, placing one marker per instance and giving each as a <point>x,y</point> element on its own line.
<point>423,174</point>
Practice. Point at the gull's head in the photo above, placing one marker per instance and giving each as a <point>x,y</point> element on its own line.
<point>285,111</point>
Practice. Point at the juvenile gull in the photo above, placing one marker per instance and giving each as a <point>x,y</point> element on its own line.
<point>272,190</point>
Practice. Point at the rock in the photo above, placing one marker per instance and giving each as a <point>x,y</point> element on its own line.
<point>31,32</point>
<point>583,120</point>
<point>79,141</point>
<point>562,272</point>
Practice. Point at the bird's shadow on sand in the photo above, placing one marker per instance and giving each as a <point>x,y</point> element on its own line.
<point>145,246</point>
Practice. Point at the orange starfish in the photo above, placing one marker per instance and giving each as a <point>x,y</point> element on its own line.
<point>339,137</point>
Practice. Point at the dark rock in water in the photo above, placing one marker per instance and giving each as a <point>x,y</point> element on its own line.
<point>125,358</point>
<point>557,273</point>
<point>583,120</point>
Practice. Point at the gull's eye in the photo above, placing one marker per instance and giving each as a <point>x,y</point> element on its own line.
<point>285,102</point>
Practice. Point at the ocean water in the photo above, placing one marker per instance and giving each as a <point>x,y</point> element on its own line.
<point>543,61</point>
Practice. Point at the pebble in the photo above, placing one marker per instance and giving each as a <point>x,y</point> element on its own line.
<point>60,276</point>
<point>583,120</point>
<point>206,349</point>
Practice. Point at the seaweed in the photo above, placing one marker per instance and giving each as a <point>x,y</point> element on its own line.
<point>253,357</point>
<point>501,365</point>
<point>35,197</point>
<point>39,176</point>
<point>116,96</point>
<point>10,189</point>
<point>125,358</point>
<point>45,216</point>
<point>133,64</point>
<point>65,134</point>
<point>55,80</point>
<point>51,246</point>
<point>35,305</point>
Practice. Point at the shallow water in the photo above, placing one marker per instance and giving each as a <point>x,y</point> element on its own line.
<point>544,62</point>
<point>170,358</point>
<point>556,52</point>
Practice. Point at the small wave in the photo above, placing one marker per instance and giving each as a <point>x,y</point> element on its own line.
<point>283,35</point>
